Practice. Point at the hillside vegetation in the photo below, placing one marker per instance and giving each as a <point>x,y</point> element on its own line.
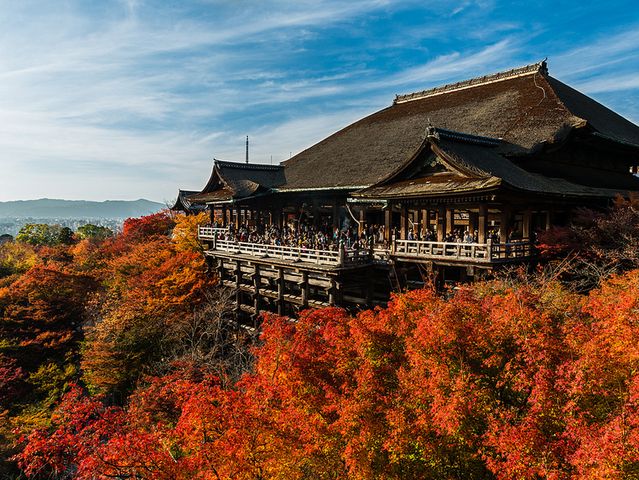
<point>119,360</point>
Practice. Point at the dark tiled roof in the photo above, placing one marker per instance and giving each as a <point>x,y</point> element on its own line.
<point>524,107</point>
<point>184,204</point>
<point>219,195</point>
<point>234,180</point>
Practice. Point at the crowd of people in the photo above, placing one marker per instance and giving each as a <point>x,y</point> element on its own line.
<point>326,237</point>
<point>304,236</point>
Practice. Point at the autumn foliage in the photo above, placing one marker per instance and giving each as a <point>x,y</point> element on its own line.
<point>504,379</point>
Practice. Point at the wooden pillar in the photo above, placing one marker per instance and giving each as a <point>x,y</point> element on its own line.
<point>316,213</point>
<point>257,283</point>
<point>504,224</point>
<point>418,224</point>
<point>224,220</point>
<point>425,221</point>
<point>238,217</point>
<point>335,214</point>
<point>304,289</point>
<point>526,224</point>
<point>361,226</point>
<point>280,291</point>
<point>472,222</point>
<point>441,223</point>
<point>549,219</point>
<point>331,292</point>
<point>450,220</point>
<point>387,223</point>
<point>238,283</point>
<point>404,223</point>
<point>482,223</point>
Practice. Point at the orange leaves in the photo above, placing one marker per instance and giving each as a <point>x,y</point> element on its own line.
<point>502,379</point>
<point>144,228</point>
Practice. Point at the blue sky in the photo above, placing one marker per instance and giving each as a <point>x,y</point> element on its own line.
<point>129,99</point>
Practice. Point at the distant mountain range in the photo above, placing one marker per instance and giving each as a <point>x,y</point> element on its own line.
<point>50,208</point>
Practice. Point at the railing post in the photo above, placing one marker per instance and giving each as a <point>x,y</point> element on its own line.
<point>393,245</point>
<point>342,252</point>
<point>214,240</point>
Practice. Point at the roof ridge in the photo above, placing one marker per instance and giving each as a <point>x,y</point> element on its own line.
<point>247,166</point>
<point>473,82</point>
<point>436,132</point>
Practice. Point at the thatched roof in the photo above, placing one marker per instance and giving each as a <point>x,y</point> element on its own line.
<point>472,164</point>
<point>525,107</point>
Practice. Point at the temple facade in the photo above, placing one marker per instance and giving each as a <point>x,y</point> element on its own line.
<point>452,182</point>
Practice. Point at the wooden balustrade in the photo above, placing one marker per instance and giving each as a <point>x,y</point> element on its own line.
<point>458,251</point>
<point>476,252</point>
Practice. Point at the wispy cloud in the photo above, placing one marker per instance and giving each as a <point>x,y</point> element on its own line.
<point>130,98</point>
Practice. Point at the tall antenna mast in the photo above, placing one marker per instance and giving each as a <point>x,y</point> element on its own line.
<point>247,149</point>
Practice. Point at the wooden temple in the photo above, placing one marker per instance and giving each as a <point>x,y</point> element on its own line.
<point>499,158</point>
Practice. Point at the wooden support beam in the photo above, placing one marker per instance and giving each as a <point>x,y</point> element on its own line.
<point>472,222</point>
<point>450,220</point>
<point>387,224</point>
<point>280,291</point>
<point>257,283</point>
<point>441,223</point>
<point>238,284</point>
<point>238,214</point>
<point>425,220</point>
<point>331,292</point>
<point>403,234</point>
<point>526,224</point>
<point>335,214</point>
<point>549,219</point>
<point>504,224</point>
<point>305,289</point>
<point>361,226</point>
<point>316,213</point>
<point>483,223</point>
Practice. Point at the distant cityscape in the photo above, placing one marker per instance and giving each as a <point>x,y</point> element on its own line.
<point>72,213</point>
<point>11,226</point>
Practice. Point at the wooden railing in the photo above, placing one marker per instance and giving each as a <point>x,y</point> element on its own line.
<point>339,257</point>
<point>208,233</point>
<point>476,252</point>
<point>457,251</point>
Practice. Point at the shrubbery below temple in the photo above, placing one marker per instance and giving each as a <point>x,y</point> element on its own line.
<point>119,359</point>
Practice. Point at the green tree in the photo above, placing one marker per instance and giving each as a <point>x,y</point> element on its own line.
<point>43,234</point>
<point>97,232</point>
